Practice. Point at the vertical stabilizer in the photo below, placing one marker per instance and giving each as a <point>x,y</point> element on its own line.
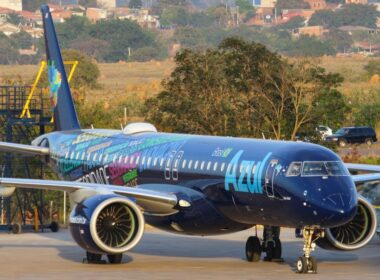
<point>65,116</point>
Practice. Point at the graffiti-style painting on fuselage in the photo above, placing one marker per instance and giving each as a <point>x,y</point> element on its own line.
<point>106,157</point>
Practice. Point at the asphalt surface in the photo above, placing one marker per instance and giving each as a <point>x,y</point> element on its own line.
<point>165,256</point>
<point>363,150</point>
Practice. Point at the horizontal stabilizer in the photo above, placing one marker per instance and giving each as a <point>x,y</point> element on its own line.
<point>23,149</point>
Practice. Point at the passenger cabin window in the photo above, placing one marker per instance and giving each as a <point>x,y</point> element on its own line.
<point>184,164</point>
<point>202,165</point>
<point>222,167</point>
<point>190,164</point>
<point>155,162</point>
<point>208,165</point>
<point>196,165</point>
<point>149,161</point>
<point>215,166</point>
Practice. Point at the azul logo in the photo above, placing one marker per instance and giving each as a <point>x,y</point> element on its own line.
<point>221,152</point>
<point>249,179</point>
<point>55,80</point>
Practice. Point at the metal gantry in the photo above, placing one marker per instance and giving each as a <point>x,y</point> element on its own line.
<point>19,208</point>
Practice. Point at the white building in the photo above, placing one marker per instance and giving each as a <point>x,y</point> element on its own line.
<point>11,4</point>
<point>107,3</point>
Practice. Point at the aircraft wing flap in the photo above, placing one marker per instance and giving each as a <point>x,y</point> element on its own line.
<point>23,149</point>
<point>154,202</point>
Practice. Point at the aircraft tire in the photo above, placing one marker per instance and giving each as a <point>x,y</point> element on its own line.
<point>301,265</point>
<point>253,249</point>
<point>93,258</point>
<point>115,259</point>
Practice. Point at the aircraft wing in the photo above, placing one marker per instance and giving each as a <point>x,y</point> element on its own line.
<point>23,149</point>
<point>153,202</point>
<point>372,172</point>
<point>362,167</point>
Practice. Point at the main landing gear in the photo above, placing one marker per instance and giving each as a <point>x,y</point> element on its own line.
<point>97,258</point>
<point>271,245</point>
<point>306,263</point>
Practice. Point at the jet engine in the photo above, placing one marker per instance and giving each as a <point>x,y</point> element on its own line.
<point>107,224</point>
<point>355,234</point>
<point>6,191</point>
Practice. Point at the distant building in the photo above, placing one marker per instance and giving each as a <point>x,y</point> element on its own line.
<point>9,29</point>
<point>264,3</point>
<point>95,14</point>
<point>291,13</point>
<point>316,4</point>
<point>356,1</point>
<point>4,12</point>
<point>107,4</point>
<point>317,31</point>
<point>11,4</point>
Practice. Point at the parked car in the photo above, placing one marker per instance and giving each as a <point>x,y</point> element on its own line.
<point>351,135</point>
<point>324,131</point>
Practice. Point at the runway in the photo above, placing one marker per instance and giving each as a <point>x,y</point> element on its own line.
<point>166,256</point>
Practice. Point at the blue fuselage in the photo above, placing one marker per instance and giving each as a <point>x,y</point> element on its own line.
<point>232,183</point>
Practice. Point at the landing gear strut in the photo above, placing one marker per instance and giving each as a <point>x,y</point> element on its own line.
<point>271,245</point>
<point>306,263</point>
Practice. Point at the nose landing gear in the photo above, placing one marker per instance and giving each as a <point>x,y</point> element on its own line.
<point>306,263</point>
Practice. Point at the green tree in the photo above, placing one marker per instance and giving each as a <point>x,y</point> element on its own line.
<point>15,19</point>
<point>8,54</point>
<point>121,34</point>
<point>72,29</point>
<point>339,39</point>
<point>95,48</point>
<point>368,115</point>
<point>239,89</point>
<point>293,23</point>
<point>291,4</point>
<point>372,67</point>
<point>309,46</point>
<point>21,40</point>
<point>88,3</point>
<point>352,14</point>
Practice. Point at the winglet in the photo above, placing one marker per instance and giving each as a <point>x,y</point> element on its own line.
<point>65,116</point>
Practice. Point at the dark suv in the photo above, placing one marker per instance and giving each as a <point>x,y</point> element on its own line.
<point>360,134</point>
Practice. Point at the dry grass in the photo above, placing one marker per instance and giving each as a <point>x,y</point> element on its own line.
<point>143,79</point>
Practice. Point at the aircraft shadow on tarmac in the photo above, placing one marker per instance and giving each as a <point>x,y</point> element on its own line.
<point>170,245</point>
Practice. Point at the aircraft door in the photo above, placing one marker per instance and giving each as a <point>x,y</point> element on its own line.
<point>175,165</point>
<point>270,174</point>
<point>168,165</point>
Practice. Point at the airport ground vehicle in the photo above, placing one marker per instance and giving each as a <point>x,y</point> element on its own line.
<point>353,135</point>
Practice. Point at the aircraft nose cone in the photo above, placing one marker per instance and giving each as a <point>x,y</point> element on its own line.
<point>339,208</point>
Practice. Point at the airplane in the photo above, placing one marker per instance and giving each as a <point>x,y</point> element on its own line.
<point>119,180</point>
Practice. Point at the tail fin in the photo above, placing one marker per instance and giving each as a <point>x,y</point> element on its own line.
<point>65,116</point>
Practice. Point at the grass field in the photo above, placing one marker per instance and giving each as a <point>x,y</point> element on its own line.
<point>143,79</point>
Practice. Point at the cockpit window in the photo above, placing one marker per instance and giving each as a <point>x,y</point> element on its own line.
<point>336,168</point>
<point>314,168</point>
<point>294,169</point>
<point>324,168</point>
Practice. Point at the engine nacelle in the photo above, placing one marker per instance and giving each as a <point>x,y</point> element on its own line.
<point>107,224</point>
<point>6,191</point>
<point>355,234</point>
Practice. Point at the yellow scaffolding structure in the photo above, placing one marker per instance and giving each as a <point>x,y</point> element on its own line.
<point>26,111</point>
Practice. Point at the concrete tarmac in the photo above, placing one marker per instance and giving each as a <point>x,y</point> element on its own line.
<point>166,256</point>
